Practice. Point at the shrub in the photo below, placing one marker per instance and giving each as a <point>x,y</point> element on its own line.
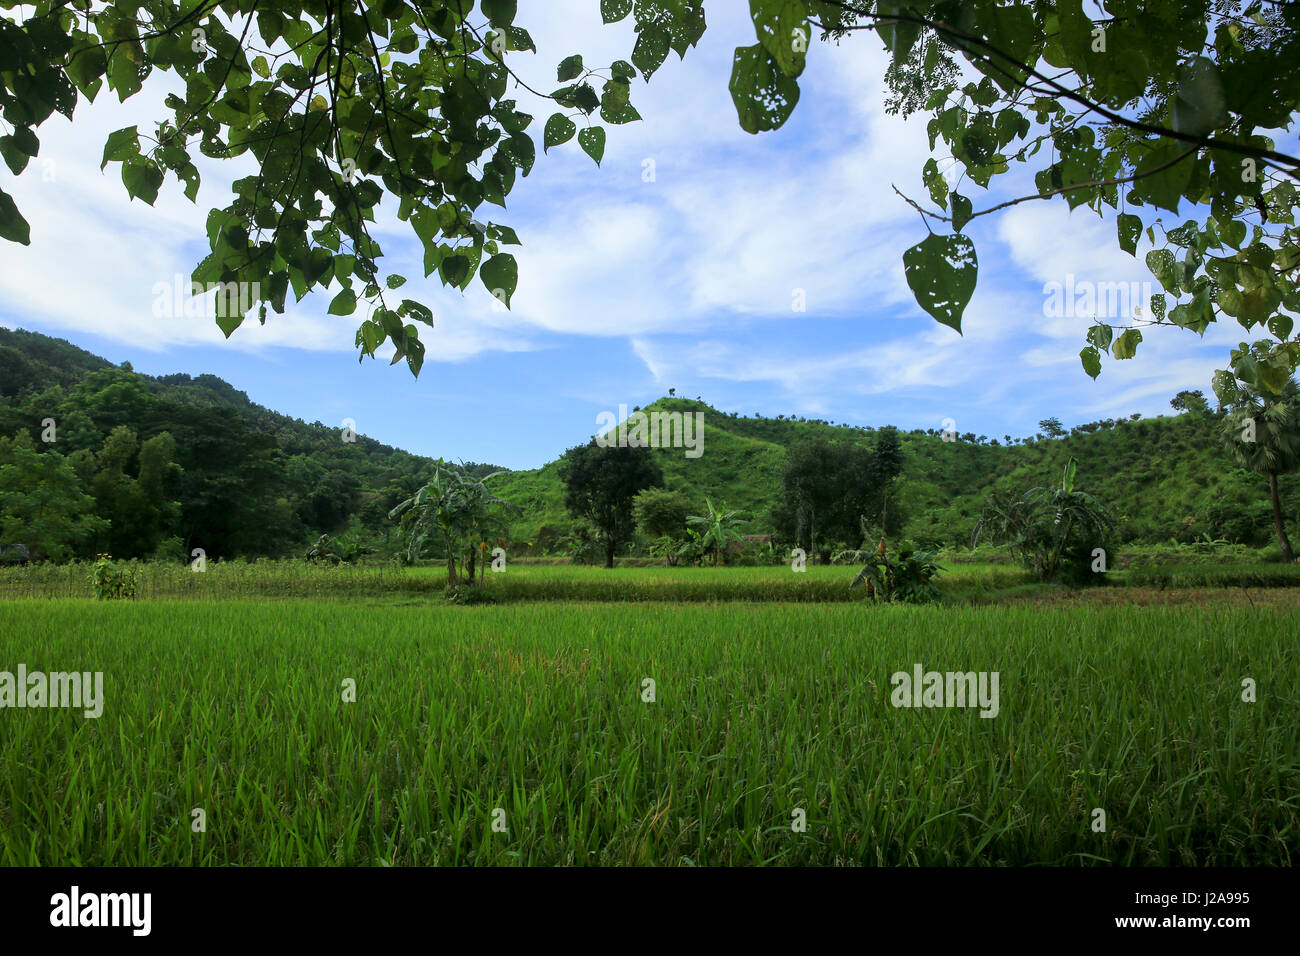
<point>907,575</point>
<point>1050,530</point>
<point>112,582</point>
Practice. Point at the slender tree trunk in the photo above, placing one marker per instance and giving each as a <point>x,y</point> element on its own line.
<point>610,546</point>
<point>1278,522</point>
<point>451,568</point>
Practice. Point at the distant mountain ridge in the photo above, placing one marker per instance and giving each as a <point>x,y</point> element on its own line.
<point>259,482</point>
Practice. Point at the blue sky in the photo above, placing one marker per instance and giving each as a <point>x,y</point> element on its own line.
<point>629,287</point>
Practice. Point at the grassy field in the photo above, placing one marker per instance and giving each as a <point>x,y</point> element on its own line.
<point>761,709</point>
<point>962,582</point>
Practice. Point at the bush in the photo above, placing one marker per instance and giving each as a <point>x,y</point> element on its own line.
<point>908,575</point>
<point>111,582</point>
<point>468,594</point>
<point>1077,563</point>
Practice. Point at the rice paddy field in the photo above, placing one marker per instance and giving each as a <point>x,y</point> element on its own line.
<point>523,733</point>
<point>960,582</point>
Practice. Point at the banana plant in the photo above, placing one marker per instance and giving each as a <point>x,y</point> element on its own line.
<point>455,510</point>
<point>717,529</point>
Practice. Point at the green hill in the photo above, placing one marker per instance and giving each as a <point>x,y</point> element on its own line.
<point>250,481</point>
<point>1166,477</point>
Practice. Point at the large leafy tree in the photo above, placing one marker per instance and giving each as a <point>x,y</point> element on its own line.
<point>1128,107</point>
<point>1262,434</point>
<point>138,506</point>
<point>601,484</point>
<point>338,104</point>
<point>829,487</point>
<point>42,504</point>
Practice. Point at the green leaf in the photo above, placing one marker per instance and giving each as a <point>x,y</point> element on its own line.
<point>12,225</point>
<point>345,303</point>
<point>416,310</point>
<point>501,13</point>
<point>1091,360</point>
<point>1125,346</point>
<point>935,183</point>
<point>454,269</point>
<point>1130,227</point>
<point>783,30</point>
<point>570,68</point>
<point>142,179</point>
<point>1233,232</point>
<point>1231,302</point>
<point>121,145</point>
<point>1100,336</point>
<point>941,272</point>
<point>1163,266</point>
<point>961,211</point>
<point>500,274</point>
<point>228,323</point>
<point>15,158</point>
<point>520,39</point>
<point>592,141</point>
<point>1166,187</point>
<point>651,49</point>
<point>898,36</point>
<point>1200,106</point>
<point>559,129</point>
<point>611,11</point>
<point>764,96</point>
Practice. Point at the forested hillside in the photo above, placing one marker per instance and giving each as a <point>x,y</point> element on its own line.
<point>175,463</point>
<point>1166,477</point>
<point>144,465</point>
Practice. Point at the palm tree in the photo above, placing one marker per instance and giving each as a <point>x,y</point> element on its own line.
<point>1262,433</point>
<point>719,529</point>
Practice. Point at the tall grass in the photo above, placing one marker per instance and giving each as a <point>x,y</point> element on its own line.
<point>299,579</point>
<point>537,710</point>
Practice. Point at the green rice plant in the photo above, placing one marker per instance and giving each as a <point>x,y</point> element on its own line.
<point>539,711</point>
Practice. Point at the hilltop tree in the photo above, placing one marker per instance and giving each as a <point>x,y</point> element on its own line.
<point>600,484</point>
<point>1190,401</point>
<point>1052,427</point>
<point>1262,434</point>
